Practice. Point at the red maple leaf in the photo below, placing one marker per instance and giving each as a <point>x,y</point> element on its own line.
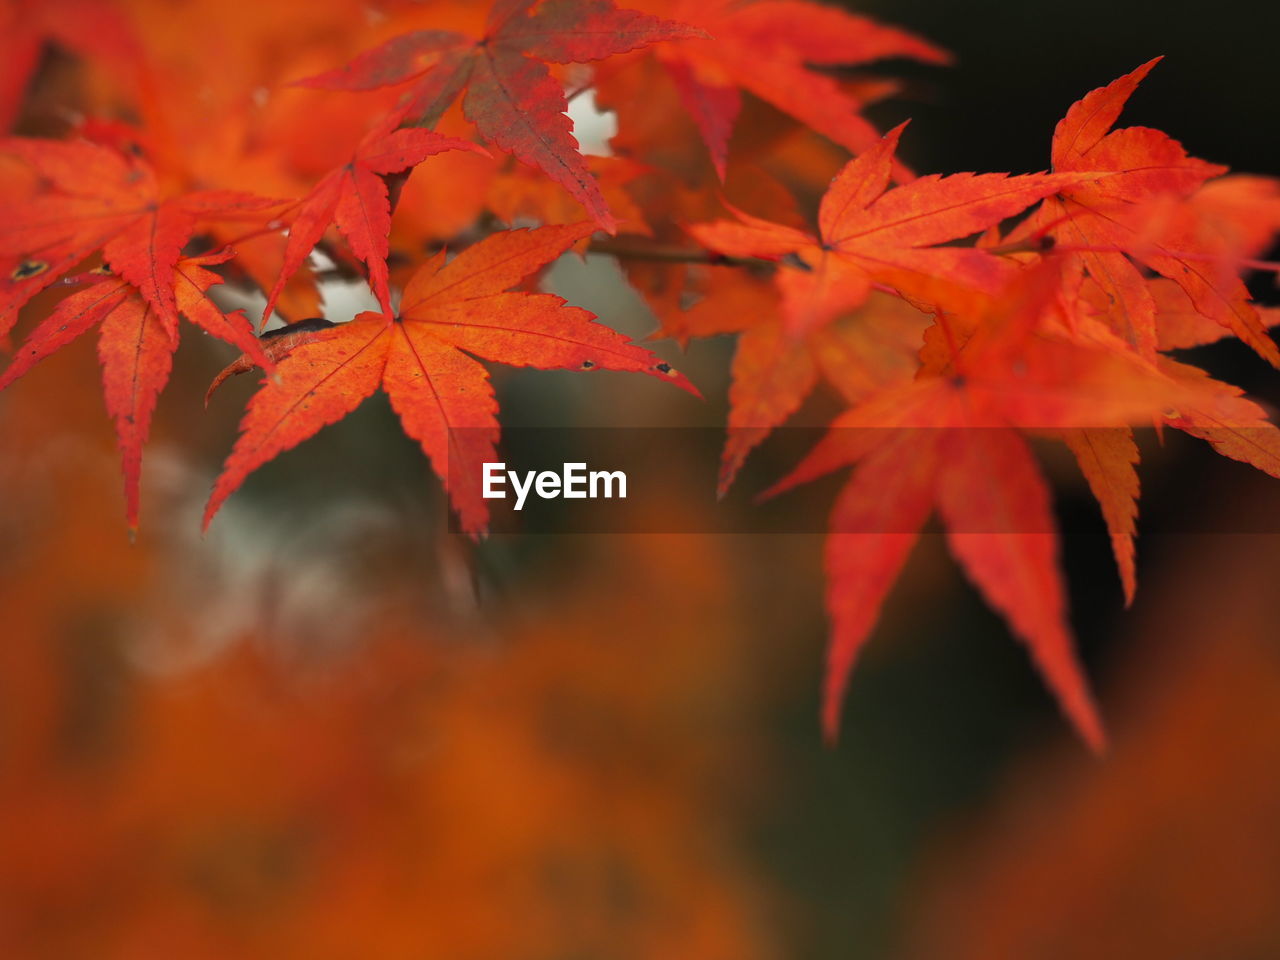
<point>135,346</point>
<point>869,234</point>
<point>422,360</point>
<point>355,197</point>
<point>511,96</point>
<point>1108,222</point>
<point>88,197</point>
<point>951,440</point>
<point>774,372</point>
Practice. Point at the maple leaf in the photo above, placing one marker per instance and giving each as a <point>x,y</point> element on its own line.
<point>869,234</point>
<point>769,49</point>
<point>773,372</point>
<point>1107,458</point>
<point>356,198</point>
<point>950,440</point>
<point>135,347</point>
<point>522,193</point>
<point>1233,425</point>
<point>1220,414</point>
<point>422,359</point>
<point>1243,209</point>
<point>95,198</point>
<point>511,96</point>
<point>1107,221</point>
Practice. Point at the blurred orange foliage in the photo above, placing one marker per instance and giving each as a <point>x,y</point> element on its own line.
<point>1172,849</point>
<point>530,784</point>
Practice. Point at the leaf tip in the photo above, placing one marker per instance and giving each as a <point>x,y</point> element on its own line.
<point>1140,73</point>
<point>1083,715</point>
<point>668,372</point>
<point>777,489</point>
<point>724,482</point>
<point>831,722</point>
<point>1097,741</point>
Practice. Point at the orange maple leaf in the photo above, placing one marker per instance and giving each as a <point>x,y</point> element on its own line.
<point>136,348</point>
<point>88,197</point>
<point>422,359</point>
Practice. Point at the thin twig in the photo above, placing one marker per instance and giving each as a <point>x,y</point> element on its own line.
<point>666,253</point>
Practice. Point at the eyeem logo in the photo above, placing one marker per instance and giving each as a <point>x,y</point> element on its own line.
<point>573,482</point>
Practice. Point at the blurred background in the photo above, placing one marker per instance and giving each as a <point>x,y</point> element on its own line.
<point>332,729</point>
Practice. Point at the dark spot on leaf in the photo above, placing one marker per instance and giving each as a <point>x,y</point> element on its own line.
<point>663,368</point>
<point>29,268</point>
<point>588,364</point>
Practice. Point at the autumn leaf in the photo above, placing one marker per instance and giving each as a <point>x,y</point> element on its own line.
<point>1107,458</point>
<point>869,234</point>
<point>770,49</point>
<point>521,194</point>
<point>950,441</point>
<point>423,360</point>
<point>995,505</point>
<point>511,96</point>
<point>1242,209</point>
<point>1221,415</point>
<point>135,347</point>
<point>1107,223</point>
<point>773,373</point>
<point>355,198</point>
<point>88,198</point>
